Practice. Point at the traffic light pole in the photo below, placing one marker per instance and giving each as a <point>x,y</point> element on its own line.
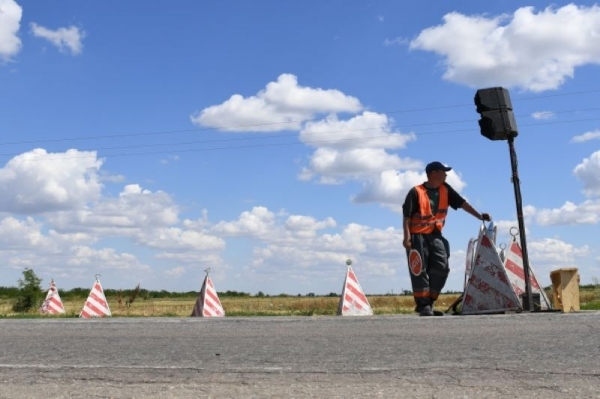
<point>515,180</point>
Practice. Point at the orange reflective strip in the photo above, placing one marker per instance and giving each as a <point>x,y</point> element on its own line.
<point>422,294</point>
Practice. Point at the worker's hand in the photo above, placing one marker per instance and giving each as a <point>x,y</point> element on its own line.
<point>406,243</point>
<point>486,217</point>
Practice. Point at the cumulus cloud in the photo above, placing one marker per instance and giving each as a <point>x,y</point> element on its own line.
<point>174,238</point>
<point>588,171</point>
<point>368,130</point>
<point>587,136</point>
<point>10,22</point>
<point>38,181</point>
<point>133,210</point>
<point>258,222</point>
<point>295,250</point>
<point>355,148</point>
<point>587,212</point>
<point>28,243</point>
<point>555,253</point>
<point>282,105</point>
<point>536,51</point>
<point>17,235</point>
<point>390,187</point>
<point>66,39</point>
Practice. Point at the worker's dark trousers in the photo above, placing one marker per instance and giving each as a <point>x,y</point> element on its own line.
<point>435,251</point>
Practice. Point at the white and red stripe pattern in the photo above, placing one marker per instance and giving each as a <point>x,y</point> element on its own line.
<point>208,303</point>
<point>514,265</point>
<point>96,304</point>
<point>488,289</point>
<point>353,301</point>
<point>52,304</point>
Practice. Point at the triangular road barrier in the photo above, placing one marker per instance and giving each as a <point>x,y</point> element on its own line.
<point>353,301</point>
<point>52,304</point>
<point>208,303</point>
<point>469,261</point>
<point>96,304</point>
<point>488,289</point>
<point>513,263</point>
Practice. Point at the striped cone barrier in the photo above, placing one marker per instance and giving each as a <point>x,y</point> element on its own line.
<point>515,269</point>
<point>353,301</point>
<point>208,303</point>
<point>488,289</point>
<point>469,261</point>
<point>96,304</point>
<point>52,304</point>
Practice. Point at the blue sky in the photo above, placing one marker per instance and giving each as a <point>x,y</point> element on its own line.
<point>270,141</point>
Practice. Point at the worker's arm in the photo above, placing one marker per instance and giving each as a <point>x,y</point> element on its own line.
<point>406,242</point>
<point>469,209</point>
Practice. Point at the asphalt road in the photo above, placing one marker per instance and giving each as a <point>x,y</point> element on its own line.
<point>517,355</point>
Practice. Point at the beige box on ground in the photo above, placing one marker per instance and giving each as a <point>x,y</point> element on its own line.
<point>565,289</point>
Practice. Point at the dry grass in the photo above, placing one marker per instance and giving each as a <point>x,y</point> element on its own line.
<point>249,306</point>
<point>268,306</point>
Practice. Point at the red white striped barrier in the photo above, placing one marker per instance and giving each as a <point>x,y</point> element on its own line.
<point>52,304</point>
<point>96,304</point>
<point>515,269</point>
<point>488,289</point>
<point>353,301</point>
<point>208,303</point>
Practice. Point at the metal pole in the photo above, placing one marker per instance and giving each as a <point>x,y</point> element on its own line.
<point>515,180</point>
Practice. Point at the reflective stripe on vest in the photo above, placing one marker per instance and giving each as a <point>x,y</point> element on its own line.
<point>425,222</point>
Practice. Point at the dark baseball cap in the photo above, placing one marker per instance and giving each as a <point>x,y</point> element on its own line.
<point>436,166</point>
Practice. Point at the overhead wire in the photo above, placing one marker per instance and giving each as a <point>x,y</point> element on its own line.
<point>261,125</point>
<point>265,136</point>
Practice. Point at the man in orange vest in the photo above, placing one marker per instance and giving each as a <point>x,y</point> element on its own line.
<point>424,210</point>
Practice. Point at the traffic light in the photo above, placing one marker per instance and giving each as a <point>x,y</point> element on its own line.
<point>497,119</point>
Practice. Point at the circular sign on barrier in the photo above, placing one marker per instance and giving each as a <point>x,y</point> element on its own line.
<point>415,264</point>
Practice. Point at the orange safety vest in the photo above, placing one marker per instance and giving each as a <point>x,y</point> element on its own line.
<point>424,222</point>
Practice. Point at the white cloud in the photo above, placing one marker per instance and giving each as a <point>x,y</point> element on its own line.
<point>282,105</point>
<point>306,226</point>
<point>19,235</point>
<point>354,148</point>
<point>368,130</point>
<point>176,239</point>
<point>136,212</point>
<point>390,187</point>
<point>543,115</point>
<point>587,136</point>
<point>257,223</point>
<point>10,22</point>
<point>553,253</point>
<point>587,212</point>
<point>37,181</point>
<point>23,243</point>
<point>588,171</point>
<point>535,51</point>
<point>66,39</point>
<point>300,259</point>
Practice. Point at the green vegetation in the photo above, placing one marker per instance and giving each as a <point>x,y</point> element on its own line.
<point>24,300</point>
<point>30,293</point>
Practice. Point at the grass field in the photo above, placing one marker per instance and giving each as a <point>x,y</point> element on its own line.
<point>247,306</point>
<point>265,306</point>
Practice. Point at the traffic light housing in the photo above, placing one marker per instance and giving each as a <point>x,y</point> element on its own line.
<point>497,119</point>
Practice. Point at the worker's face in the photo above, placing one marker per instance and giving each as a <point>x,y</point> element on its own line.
<point>438,176</point>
